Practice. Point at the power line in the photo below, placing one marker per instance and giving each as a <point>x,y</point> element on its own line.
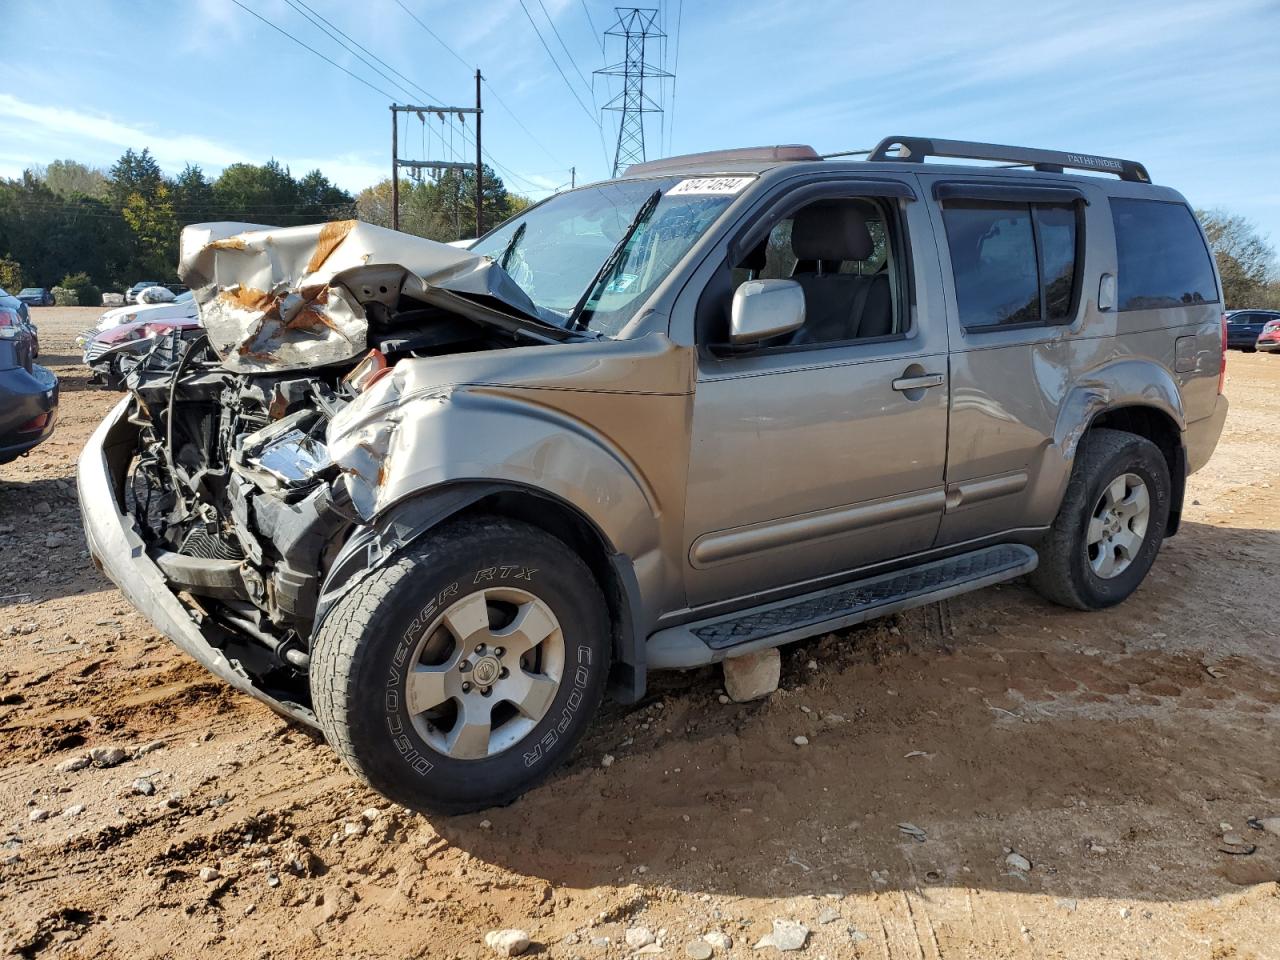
<point>592,24</point>
<point>440,40</point>
<point>435,36</point>
<point>511,113</point>
<point>426,93</point>
<point>306,46</point>
<point>675,70</point>
<point>556,64</point>
<point>565,48</point>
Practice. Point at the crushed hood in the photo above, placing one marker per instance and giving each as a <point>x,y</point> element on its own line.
<point>284,298</point>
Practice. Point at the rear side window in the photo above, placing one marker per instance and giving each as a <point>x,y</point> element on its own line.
<point>1014,263</point>
<point>1162,259</point>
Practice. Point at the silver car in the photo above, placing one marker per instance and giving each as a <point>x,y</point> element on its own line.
<point>437,501</point>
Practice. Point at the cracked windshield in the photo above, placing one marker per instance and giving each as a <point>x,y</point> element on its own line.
<point>591,256</point>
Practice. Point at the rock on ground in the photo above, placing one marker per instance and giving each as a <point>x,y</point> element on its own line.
<point>638,937</point>
<point>507,943</point>
<point>786,935</point>
<point>752,676</point>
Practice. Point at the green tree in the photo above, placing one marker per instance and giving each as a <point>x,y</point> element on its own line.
<point>133,173</point>
<point>11,275</point>
<point>155,231</point>
<point>443,210</point>
<point>257,194</point>
<point>70,178</point>
<point>193,197</point>
<point>1246,262</point>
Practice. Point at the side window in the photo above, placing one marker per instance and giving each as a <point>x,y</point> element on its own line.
<point>1014,263</point>
<point>842,253</point>
<point>1162,259</point>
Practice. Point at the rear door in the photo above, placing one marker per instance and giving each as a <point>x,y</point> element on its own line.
<point>1012,265</point>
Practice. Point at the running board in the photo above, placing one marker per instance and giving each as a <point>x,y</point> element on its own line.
<point>773,624</point>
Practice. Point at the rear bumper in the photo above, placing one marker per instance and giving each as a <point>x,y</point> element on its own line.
<point>25,397</point>
<point>1202,435</point>
<point>120,553</point>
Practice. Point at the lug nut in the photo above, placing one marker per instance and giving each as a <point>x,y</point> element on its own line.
<point>485,691</point>
<point>466,688</point>
<point>504,674</point>
<point>479,648</point>
<point>464,666</point>
<point>498,651</point>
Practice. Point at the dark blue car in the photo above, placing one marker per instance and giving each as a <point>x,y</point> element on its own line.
<point>36,296</point>
<point>1243,327</point>
<point>28,391</point>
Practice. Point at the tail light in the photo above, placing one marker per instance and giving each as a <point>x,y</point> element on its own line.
<point>10,325</point>
<point>1222,366</point>
<point>36,424</point>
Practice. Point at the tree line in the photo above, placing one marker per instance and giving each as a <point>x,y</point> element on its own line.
<point>110,228</point>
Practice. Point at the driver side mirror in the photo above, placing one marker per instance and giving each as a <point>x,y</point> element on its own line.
<point>765,308</point>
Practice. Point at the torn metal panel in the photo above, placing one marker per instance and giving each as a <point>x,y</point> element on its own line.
<point>286,298</point>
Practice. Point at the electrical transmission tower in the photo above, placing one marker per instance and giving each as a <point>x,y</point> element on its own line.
<point>636,26</point>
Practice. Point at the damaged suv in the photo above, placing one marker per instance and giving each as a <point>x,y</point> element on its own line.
<point>435,501</point>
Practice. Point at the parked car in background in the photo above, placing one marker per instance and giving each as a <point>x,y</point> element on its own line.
<point>1269,338</point>
<point>9,300</point>
<point>112,353</point>
<point>181,307</point>
<point>1244,326</point>
<point>28,391</point>
<point>131,294</point>
<point>36,296</point>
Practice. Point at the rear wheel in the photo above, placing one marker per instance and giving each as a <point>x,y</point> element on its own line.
<point>463,673</point>
<point>1110,525</point>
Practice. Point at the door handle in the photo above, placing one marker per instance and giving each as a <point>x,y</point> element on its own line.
<point>922,382</point>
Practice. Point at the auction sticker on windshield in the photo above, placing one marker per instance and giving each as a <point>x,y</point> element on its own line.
<point>709,186</point>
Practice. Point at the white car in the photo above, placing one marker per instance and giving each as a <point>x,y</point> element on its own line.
<point>181,307</point>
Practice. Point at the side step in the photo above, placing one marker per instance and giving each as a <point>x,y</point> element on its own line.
<point>773,624</point>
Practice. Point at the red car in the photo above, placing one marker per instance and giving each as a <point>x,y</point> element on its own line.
<point>1269,338</point>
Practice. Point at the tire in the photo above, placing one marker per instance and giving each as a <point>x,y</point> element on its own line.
<point>1074,573</point>
<point>368,654</point>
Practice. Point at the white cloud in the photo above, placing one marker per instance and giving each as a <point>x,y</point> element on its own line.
<point>40,123</point>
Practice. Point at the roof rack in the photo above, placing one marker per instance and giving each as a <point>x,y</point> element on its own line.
<point>915,149</point>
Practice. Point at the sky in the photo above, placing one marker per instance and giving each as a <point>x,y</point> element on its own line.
<point>1192,90</point>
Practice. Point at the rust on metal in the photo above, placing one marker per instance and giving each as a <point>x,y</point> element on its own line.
<point>229,243</point>
<point>331,234</point>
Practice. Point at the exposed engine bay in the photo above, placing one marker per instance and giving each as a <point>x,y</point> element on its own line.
<point>233,488</point>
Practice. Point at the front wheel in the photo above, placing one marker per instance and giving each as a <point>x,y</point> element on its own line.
<point>1110,525</point>
<point>463,673</point>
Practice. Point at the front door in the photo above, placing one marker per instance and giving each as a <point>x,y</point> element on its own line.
<point>825,451</point>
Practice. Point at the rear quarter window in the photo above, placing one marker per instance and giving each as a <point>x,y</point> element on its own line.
<point>1162,258</point>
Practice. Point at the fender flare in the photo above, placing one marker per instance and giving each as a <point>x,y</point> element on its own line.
<point>371,547</point>
<point>1124,383</point>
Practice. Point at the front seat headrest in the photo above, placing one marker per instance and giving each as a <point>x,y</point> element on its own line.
<point>831,231</point>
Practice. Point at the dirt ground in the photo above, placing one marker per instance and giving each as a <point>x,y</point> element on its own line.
<point>1113,751</point>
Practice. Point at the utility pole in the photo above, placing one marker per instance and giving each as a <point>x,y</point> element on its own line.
<point>636,26</point>
<point>573,177</point>
<point>395,170</point>
<point>435,167</point>
<point>479,162</point>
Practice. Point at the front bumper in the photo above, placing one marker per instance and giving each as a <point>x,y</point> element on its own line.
<point>1269,346</point>
<point>120,553</point>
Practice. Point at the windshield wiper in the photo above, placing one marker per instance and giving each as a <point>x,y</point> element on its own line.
<point>611,261</point>
<point>510,248</point>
